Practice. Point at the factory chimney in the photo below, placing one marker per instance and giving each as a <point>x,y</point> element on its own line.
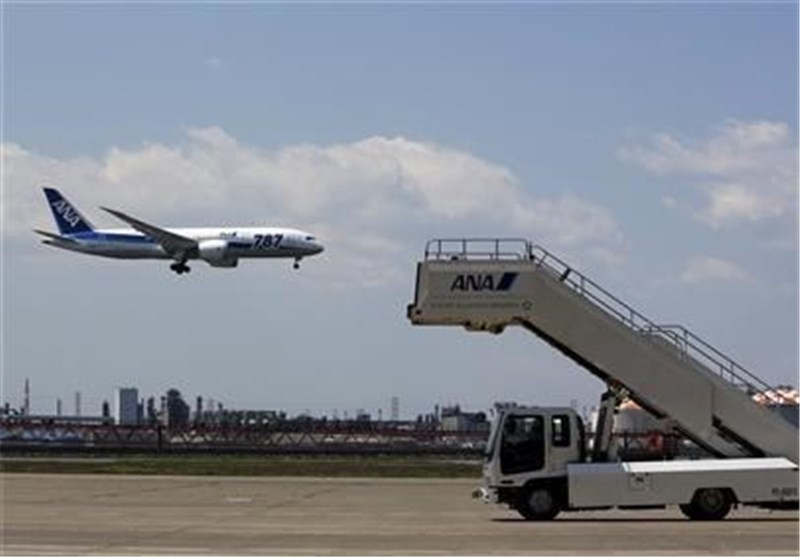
<point>26,408</point>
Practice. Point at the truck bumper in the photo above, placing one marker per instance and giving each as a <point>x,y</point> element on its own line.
<point>485,494</point>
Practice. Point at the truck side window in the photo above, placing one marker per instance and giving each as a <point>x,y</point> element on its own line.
<point>559,427</point>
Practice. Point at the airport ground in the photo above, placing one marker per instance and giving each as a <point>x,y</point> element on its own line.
<point>371,466</point>
<point>88,514</point>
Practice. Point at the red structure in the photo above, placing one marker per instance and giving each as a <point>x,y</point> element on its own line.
<point>293,436</point>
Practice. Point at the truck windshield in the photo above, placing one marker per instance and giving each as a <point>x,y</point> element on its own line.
<point>493,435</point>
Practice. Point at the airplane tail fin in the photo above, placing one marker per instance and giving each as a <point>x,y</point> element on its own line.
<point>68,218</point>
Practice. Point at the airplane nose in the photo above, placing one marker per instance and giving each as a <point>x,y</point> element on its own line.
<point>318,248</point>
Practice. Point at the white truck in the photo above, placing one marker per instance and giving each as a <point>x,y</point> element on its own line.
<point>536,460</point>
<point>536,463</point>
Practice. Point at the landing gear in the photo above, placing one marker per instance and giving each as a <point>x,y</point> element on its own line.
<point>296,263</point>
<point>180,267</point>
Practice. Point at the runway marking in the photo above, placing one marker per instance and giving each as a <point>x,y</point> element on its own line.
<point>235,500</point>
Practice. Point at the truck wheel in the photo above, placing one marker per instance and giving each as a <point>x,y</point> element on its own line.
<point>539,503</point>
<point>708,504</point>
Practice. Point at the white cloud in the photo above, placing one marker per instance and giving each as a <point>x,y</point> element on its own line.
<point>372,202</point>
<point>747,171</point>
<point>712,269</point>
<point>669,202</point>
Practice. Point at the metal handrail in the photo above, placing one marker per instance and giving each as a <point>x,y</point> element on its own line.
<point>686,342</point>
<point>710,353</point>
<point>494,249</point>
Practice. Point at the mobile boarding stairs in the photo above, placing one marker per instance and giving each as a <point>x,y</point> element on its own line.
<point>487,285</point>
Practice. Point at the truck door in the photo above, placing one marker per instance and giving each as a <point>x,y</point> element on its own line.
<point>522,444</point>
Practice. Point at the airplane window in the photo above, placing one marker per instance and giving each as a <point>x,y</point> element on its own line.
<point>310,238</point>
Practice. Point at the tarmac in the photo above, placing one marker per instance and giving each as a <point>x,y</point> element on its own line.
<point>53,514</point>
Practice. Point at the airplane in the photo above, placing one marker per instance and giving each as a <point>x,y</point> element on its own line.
<point>219,247</point>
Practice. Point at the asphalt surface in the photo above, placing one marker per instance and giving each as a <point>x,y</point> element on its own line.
<point>103,515</point>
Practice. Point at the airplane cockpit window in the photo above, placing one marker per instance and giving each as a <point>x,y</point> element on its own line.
<point>310,239</point>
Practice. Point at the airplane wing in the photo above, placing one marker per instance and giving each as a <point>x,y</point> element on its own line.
<point>173,244</point>
<point>56,237</point>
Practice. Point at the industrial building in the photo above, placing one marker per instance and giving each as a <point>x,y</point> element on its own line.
<point>126,406</point>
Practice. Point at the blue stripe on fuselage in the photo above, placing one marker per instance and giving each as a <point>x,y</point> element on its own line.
<point>112,238</point>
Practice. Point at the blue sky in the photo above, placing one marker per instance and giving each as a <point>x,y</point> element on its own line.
<point>653,146</point>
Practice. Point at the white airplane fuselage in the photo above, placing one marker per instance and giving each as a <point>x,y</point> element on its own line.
<point>215,245</point>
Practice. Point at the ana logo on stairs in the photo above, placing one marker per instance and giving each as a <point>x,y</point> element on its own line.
<point>483,281</point>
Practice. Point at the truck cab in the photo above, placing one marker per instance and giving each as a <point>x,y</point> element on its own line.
<point>526,458</point>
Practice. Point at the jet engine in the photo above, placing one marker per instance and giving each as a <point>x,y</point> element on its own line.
<point>215,253</point>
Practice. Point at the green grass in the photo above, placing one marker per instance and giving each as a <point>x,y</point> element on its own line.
<point>235,465</point>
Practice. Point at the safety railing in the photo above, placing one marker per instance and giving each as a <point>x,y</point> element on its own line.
<point>486,249</point>
<point>684,341</point>
<point>711,357</point>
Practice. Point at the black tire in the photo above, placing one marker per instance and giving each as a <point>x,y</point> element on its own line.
<point>539,503</point>
<point>708,504</point>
